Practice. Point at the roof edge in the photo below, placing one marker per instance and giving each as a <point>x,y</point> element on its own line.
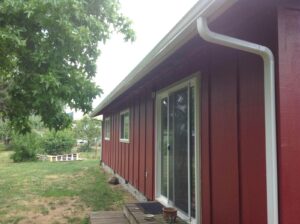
<point>180,34</point>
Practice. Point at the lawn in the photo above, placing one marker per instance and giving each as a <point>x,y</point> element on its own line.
<point>44,192</point>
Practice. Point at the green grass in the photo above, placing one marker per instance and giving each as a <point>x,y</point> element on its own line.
<point>43,188</point>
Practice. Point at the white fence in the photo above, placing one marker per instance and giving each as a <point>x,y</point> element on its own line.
<point>66,157</point>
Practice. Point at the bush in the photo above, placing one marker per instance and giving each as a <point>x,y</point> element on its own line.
<point>55,143</point>
<point>85,148</point>
<point>25,147</point>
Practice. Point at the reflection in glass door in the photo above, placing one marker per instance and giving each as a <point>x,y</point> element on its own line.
<point>176,123</point>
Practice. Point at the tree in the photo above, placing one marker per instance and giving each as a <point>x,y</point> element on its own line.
<point>58,142</point>
<point>88,129</point>
<point>5,131</point>
<point>48,53</point>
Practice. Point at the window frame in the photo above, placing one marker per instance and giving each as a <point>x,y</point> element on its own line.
<point>122,113</point>
<point>107,138</point>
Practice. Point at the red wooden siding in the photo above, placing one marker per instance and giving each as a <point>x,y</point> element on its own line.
<point>134,160</point>
<point>224,144</point>
<point>205,150</point>
<point>142,137</point>
<point>149,147</point>
<point>233,175</point>
<point>136,145</point>
<point>131,152</point>
<point>289,113</point>
<point>233,146</point>
<point>251,140</point>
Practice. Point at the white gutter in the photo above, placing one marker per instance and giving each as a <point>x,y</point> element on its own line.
<point>270,109</point>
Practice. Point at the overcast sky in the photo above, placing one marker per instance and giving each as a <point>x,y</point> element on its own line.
<point>152,20</point>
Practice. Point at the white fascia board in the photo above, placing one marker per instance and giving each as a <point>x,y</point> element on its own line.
<point>182,32</point>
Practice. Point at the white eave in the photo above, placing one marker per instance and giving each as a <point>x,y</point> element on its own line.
<point>183,31</point>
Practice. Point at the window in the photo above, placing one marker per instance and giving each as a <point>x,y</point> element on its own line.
<point>107,128</point>
<point>124,126</point>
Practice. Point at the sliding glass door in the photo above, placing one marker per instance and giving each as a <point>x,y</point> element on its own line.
<point>176,147</point>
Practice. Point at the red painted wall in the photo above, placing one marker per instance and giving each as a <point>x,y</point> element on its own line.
<point>233,146</point>
<point>233,179</point>
<point>289,113</point>
<point>232,140</point>
<point>134,161</point>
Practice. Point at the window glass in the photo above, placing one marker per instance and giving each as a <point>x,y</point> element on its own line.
<point>107,128</point>
<point>124,132</point>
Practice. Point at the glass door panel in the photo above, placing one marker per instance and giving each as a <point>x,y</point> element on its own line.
<point>177,148</point>
<point>192,151</point>
<point>164,146</point>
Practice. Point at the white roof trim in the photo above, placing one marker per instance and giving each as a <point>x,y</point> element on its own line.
<point>183,31</point>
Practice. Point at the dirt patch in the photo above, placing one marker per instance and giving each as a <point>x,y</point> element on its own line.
<point>54,177</point>
<point>53,210</point>
<point>59,177</point>
<point>61,210</point>
<point>127,197</point>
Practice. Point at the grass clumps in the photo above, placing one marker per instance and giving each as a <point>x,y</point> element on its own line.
<point>45,192</point>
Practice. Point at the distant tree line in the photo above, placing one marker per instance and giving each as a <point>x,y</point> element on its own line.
<point>42,140</point>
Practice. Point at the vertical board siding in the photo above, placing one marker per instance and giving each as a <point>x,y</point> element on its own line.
<point>117,141</point>
<point>149,148</point>
<point>127,159</point>
<point>103,148</point>
<point>136,145</point>
<point>112,136</point>
<point>135,159</point>
<point>232,139</point>
<point>131,149</point>
<point>205,150</point>
<point>142,146</point>
<point>224,148</point>
<point>114,163</point>
<point>233,180</point>
<point>289,113</point>
<point>252,140</point>
<point>122,152</point>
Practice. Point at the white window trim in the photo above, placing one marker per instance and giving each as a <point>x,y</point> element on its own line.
<point>105,128</point>
<point>124,140</point>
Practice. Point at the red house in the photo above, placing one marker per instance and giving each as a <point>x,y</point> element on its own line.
<point>209,121</point>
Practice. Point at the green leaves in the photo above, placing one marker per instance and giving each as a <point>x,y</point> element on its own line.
<point>56,143</point>
<point>88,129</point>
<point>48,53</point>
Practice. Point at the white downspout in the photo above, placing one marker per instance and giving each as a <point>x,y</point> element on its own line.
<point>270,109</point>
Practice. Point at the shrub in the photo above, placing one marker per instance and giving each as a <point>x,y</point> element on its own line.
<point>55,143</point>
<point>25,147</point>
<point>85,148</point>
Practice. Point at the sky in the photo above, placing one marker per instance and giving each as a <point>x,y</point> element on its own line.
<point>152,20</point>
